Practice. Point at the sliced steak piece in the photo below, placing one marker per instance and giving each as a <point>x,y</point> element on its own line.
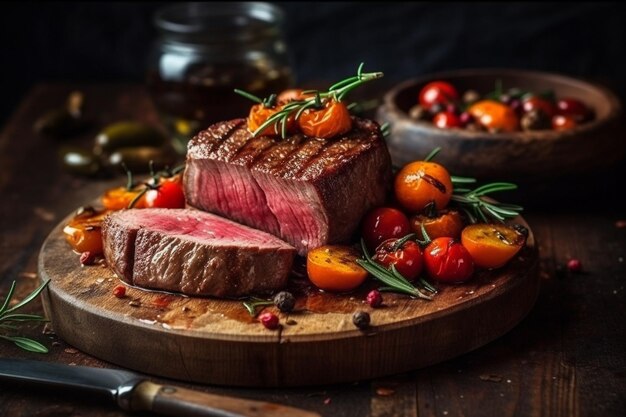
<point>308,191</point>
<point>193,252</point>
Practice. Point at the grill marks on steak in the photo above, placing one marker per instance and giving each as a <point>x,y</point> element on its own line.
<point>309,191</point>
<point>195,253</point>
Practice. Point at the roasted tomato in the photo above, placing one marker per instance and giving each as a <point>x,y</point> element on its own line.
<point>492,245</point>
<point>84,231</point>
<point>437,92</point>
<point>334,268</point>
<point>259,115</point>
<point>167,194</point>
<point>405,256</point>
<point>538,103</point>
<point>561,122</point>
<point>420,183</point>
<point>120,198</point>
<point>494,115</point>
<point>446,119</point>
<point>332,120</point>
<point>573,108</point>
<point>384,223</point>
<point>446,260</point>
<point>445,223</point>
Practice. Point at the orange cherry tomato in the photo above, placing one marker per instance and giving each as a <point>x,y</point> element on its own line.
<point>120,198</point>
<point>84,231</point>
<point>561,122</point>
<point>332,120</point>
<point>492,245</point>
<point>334,268</point>
<point>420,183</point>
<point>446,223</point>
<point>259,115</point>
<point>494,115</point>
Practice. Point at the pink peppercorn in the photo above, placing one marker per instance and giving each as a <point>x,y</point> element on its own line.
<point>574,265</point>
<point>269,320</point>
<point>374,299</point>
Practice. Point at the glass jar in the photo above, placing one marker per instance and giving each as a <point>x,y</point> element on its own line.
<point>204,51</point>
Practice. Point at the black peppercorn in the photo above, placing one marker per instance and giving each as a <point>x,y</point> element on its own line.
<point>361,319</point>
<point>285,301</point>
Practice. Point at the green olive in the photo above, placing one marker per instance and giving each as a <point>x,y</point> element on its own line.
<point>80,161</point>
<point>137,159</point>
<point>127,134</point>
<point>60,123</point>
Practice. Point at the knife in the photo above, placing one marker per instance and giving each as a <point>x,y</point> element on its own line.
<point>132,392</point>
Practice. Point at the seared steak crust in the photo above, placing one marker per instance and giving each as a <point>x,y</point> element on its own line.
<point>309,191</point>
<point>194,253</point>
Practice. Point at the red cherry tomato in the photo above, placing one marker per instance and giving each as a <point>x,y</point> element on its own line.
<point>384,223</point>
<point>574,108</point>
<point>446,260</point>
<point>168,194</point>
<point>561,122</point>
<point>407,258</point>
<point>446,119</point>
<point>539,103</point>
<point>437,92</point>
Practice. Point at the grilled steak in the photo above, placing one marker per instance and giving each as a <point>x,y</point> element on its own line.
<point>193,252</point>
<point>309,191</point>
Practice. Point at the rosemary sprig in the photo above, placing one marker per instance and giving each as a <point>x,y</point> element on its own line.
<point>317,100</point>
<point>393,280</point>
<point>477,207</point>
<point>253,303</point>
<point>8,317</point>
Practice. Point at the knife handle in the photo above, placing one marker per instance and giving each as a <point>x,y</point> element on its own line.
<point>176,401</point>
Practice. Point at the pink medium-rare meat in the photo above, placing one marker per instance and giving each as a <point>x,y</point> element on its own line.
<point>194,252</point>
<point>308,191</point>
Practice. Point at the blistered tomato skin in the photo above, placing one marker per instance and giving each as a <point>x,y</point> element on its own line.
<point>332,120</point>
<point>407,259</point>
<point>421,183</point>
<point>384,223</point>
<point>446,260</point>
<point>333,268</point>
<point>492,245</point>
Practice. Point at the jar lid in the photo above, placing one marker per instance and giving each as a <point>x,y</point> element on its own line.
<point>219,21</point>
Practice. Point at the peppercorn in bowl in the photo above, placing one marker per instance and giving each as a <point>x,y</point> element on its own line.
<point>505,123</point>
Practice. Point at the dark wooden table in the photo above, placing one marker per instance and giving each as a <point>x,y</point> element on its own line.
<point>565,359</point>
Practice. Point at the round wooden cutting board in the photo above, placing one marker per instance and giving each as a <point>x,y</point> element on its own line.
<point>216,341</point>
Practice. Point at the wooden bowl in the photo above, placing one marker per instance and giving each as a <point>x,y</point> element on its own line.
<point>525,156</point>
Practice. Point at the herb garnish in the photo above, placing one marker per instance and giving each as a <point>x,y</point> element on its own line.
<point>8,316</point>
<point>316,100</point>
<point>393,280</point>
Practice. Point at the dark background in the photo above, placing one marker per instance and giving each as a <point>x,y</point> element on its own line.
<point>104,42</point>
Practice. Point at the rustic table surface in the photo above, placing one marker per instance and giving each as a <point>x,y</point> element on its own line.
<point>565,359</point>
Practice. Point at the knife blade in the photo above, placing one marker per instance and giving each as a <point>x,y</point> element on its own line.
<point>133,392</point>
